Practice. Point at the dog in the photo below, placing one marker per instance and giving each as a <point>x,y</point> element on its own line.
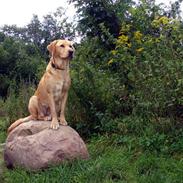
<point>49,100</point>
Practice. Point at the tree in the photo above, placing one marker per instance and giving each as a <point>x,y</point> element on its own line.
<point>19,61</point>
<point>14,31</point>
<point>175,10</point>
<point>97,18</point>
<point>34,31</point>
<point>54,26</point>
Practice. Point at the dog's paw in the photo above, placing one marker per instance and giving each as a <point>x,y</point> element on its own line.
<point>63,122</point>
<point>54,125</point>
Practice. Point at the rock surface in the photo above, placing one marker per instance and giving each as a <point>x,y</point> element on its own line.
<point>33,145</point>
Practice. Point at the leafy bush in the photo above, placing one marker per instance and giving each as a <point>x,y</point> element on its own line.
<point>19,62</point>
<point>151,67</point>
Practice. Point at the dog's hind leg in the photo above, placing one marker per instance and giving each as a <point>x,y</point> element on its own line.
<point>33,107</point>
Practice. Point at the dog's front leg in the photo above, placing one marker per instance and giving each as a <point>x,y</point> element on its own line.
<point>54,123</point>
<point>62,113</point>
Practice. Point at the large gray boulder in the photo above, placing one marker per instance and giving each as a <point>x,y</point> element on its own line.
<point>33,145</point>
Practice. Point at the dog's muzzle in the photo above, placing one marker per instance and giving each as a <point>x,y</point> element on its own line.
<point>71,54</point>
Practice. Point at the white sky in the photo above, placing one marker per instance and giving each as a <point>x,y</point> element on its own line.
<point>20,12</point>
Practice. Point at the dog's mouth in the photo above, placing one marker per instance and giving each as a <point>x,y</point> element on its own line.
<point>70,57</point>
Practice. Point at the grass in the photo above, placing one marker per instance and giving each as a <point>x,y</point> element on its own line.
<point>110,162</point>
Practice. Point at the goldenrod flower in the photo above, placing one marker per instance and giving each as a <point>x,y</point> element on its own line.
<point>139,50</point>
<point>164,20</point>
<point>138,35</point>
<point>110,62</point>
<point>114,52</point>
<point>125,28</point>
<point>129,45</point>
<point>155,23</point>
<point>122,39</point>
<point>160,21</point>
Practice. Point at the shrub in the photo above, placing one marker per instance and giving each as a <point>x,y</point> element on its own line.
<point>151,67</point>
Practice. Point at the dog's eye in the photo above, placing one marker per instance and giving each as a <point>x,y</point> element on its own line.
<point>62,45</point>
<point>70,46</point>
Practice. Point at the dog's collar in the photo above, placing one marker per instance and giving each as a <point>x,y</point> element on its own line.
<point>56,67</point>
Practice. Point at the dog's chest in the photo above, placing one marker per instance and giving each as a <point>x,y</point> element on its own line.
<point>57,90</point>
<point>60,88</point>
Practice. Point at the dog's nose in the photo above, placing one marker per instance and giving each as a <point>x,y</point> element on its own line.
<point>70,52</point>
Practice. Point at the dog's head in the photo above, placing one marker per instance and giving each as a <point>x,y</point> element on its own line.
<point>61,48</point>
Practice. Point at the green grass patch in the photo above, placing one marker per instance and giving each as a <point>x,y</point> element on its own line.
<point>109,162</point>
<point>3,129</point>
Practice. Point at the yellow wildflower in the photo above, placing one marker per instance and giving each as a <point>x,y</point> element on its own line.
<point>125,28</point>
<point>155,23</point>
<point>138,35</point>
<point>114,52</point>
<point>164,20</point>
<point>139,50</point>
<point>122,39</point>
<point>160,21</point>
<point>110,62</point>
<point>129,45</point>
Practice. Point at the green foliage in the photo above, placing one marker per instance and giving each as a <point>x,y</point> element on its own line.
<point>126,86</point>
<point>95,17</point>
<point>93,95</point>
<point>3,134</point>
<point>19,62</point>
<point>150,67</point>
<point>15,105</point>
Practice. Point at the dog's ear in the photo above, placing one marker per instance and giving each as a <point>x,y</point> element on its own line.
<point>51,47</point>
<point>73,45</point>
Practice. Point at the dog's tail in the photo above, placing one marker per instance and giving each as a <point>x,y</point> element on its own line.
<point>18,122</point>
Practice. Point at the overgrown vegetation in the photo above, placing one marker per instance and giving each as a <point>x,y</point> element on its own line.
<point>126,98</point>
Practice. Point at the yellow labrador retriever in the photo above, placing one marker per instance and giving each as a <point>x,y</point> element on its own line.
<point>49,100</point>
